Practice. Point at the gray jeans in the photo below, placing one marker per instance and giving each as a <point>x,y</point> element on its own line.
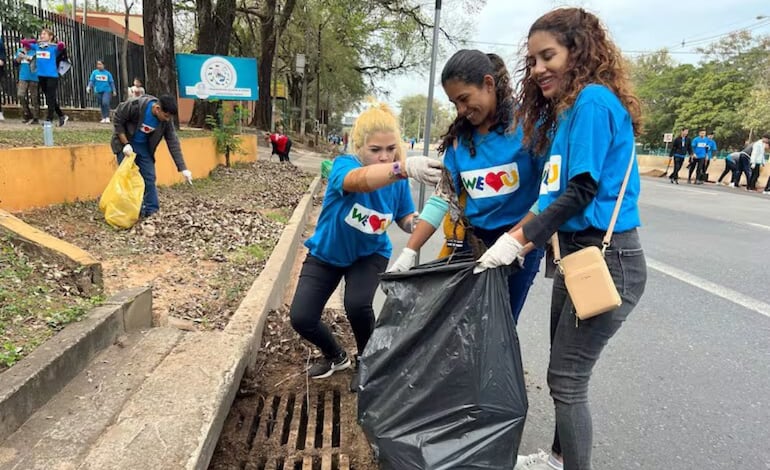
<point>26,91</point>
<point>576,345</point>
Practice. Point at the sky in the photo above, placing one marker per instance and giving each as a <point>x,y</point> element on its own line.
<point>635,26</point>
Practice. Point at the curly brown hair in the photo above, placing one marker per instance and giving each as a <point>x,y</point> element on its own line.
<point>471,66</point>
<point>593,58</point>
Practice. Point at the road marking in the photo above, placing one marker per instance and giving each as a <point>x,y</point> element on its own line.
<point>759,226</point>
<point>726,293</point>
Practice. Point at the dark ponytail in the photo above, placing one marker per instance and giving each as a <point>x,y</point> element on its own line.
<point>470,66</point>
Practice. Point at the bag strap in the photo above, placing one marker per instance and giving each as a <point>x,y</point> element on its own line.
<point>610,229</point>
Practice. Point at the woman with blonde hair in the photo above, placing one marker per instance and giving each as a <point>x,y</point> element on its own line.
<point>366,192</point>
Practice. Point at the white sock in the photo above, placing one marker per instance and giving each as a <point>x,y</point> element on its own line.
<point>554,463</point>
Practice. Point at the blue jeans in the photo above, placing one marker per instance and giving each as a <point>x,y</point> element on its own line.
<point>105,98</point>
<point>150,204</point>
<point>519,282</point>
<point>576,345</point>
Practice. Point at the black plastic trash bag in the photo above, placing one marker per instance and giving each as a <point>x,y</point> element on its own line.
<point>442,386</point>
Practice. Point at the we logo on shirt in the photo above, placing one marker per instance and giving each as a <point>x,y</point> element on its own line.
<point>491,182</point>
<point>101,78</point>
<point>367,220</point>
<point>146,129</point>
<point>43,54</point>
<point>551,175</point>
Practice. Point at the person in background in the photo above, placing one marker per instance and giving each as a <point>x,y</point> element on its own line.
<point>757,160</point>
<point>280,143</point>
<point>47,50</point>
<point>576,103</point>
<point>103,85</point>
<point>713,152</point>
<point>743,166</point>
<point>27,88</point>
<point>140,124</point>
<point>731,168</point>
<point>680,148</point>
<point>345,138</point>
<point>700,146</point>
<point>366,193</point>
<point>136,90</point>
<point>3,58</point>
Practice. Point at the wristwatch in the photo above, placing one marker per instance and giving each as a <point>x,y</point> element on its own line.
<point>397,173</point>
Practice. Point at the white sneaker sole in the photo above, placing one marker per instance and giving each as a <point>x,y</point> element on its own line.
<point>334,368</point>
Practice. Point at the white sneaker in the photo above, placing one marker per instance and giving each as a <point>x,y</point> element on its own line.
<point>2,118</point>
<point>765,192</point>
<point>537,461</point>
<point>732,185</point>
<point>106,120</point>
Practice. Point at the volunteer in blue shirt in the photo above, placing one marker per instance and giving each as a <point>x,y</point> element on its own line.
<point>366,193</point>
<point>102,83</point>
<point>574,80</point>
<point>487,162</point>
<point>700,147</point>
<point>26,89</point>
<point>47,52</point>
<point>713,152</point>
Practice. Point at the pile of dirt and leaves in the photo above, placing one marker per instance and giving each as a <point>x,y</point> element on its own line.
<point>281,415</point>
<point>37,298</point>
<point>204,248</point>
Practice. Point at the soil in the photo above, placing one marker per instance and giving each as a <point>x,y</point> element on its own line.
<point>204,248</point>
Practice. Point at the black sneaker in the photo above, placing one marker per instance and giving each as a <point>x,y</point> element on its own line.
<point>33,122</point>
<point>63,120</point>
<point>26,120</point>
<point>355,382</point>
<point>325,367</point>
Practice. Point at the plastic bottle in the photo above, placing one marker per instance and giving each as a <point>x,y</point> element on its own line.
<point>48,134</point>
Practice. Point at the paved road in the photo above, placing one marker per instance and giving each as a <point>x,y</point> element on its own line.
<point>685,384</point>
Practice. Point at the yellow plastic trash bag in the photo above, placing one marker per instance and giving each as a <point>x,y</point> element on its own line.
<point>121,200</point>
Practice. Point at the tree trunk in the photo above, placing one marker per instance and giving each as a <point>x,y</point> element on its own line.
<point>269,31</point>
<point>215,27</point>
<point>124,52</point>
<point>158,21</point>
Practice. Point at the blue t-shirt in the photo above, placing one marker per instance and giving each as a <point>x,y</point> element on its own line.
<point>594,136</point>
<point>101,81</point>
<point>25,73</point>
<point>46,54</point>
<point>142,135</point>
<point>354,225</point>
<point>700,146</point>
<point>502,180</point>
<point>712,147</point>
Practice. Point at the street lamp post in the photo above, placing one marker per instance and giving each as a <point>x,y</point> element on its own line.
<point>429,111</point>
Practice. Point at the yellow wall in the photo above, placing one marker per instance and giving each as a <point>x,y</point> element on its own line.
<point>41,176</point>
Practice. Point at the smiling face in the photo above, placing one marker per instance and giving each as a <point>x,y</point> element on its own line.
<point>380,147</point>
<point>475,103</point>
<point>547,61</point>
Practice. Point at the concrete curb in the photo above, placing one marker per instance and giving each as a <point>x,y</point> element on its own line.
<point>175,417</point>
<point>28,385</point>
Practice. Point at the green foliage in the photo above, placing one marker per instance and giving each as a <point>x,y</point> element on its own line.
<point>10,354</point>
<point>225,128</point>
<point>412,117</point>
<point>726,93</point>
<point>16,16</point>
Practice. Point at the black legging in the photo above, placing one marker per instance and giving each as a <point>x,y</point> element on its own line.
<point>317,282</point>
<point>755,169</point>
<point>700,165</point>
<point>730,168</point>
<point>49,86</point>
<point>678,162</point>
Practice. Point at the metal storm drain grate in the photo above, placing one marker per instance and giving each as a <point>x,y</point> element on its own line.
<point>287,433</point>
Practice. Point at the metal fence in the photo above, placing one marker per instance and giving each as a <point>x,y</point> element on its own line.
<point>85,45</point>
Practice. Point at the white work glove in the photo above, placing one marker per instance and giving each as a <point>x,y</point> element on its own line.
<point>128,149</point>
<point>187,176</point>
<point>505,251</point>
<point>404,262</point>
<point>424,169</point>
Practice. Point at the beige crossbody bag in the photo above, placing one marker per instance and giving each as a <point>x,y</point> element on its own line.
<point>588,280</point>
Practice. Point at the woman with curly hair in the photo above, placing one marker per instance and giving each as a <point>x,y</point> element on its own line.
<point>576,100</point>
<point>488,166</point>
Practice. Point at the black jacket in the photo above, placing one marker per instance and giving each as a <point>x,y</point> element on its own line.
<point>681,146</point>
<point>129,116</point>
<point>3,56</point>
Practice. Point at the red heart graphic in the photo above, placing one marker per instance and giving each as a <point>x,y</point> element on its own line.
<point>375,222</point>
<point>494,180</point>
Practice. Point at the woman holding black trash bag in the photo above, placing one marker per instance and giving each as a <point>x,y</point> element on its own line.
<point>497,177</point>
<point>575,85</point>
<point>366,192</point>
